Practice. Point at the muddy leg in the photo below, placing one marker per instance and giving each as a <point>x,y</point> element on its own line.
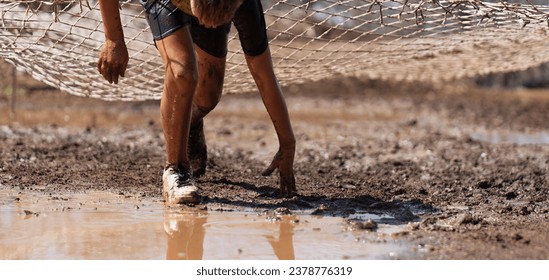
<point>211,72</point>
<point>179,86</point>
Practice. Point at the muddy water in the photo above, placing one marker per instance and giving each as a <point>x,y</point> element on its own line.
<point>101,225</point>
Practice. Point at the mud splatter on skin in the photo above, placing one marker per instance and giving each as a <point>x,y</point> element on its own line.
<point>383,148</point>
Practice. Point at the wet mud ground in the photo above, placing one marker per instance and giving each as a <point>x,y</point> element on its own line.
<point>466,169</point>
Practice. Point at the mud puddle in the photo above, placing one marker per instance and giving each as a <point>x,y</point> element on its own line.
<point>102,225</point>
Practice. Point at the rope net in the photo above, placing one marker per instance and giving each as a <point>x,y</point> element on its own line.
<point>58,42</point>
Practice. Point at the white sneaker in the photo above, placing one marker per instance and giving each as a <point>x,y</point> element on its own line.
<point>178,187</point>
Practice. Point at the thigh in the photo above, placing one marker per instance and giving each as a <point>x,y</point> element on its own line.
<point>164,18</point>
<point>249,21</point>
<point>177,52</point>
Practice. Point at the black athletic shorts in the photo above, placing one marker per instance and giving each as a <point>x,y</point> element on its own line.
<point>164,19</point>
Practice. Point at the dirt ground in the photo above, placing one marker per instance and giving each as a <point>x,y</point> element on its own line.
<point>466,168</point>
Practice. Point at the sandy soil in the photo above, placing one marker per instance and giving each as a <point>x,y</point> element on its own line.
<point>465,167</point>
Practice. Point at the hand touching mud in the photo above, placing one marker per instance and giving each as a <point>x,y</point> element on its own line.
<point>113,60</point>
<point>284,162</point>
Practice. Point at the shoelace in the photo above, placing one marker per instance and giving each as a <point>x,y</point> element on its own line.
<point>183,178</point>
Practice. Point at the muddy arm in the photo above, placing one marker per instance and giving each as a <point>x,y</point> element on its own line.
<point>113,59</point>
<point>261,67</point>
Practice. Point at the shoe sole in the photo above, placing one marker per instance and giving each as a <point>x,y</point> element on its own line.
<point>193,197</point>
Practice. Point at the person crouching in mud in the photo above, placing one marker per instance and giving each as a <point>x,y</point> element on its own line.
<point>191,36</point>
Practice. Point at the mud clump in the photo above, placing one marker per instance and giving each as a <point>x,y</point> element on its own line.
<point>282,211</point>
<point>30,214</point>
<point>368,225</point>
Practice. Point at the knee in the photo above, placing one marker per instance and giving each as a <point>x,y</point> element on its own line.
<point>182,72</point>
<point>205,107</point>
<point>209,92</point>
<point>208,98</point>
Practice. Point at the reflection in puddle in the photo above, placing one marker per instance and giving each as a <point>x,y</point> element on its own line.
<point>99,225</point>
<point>228,236</point>
<point>512,137</point>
